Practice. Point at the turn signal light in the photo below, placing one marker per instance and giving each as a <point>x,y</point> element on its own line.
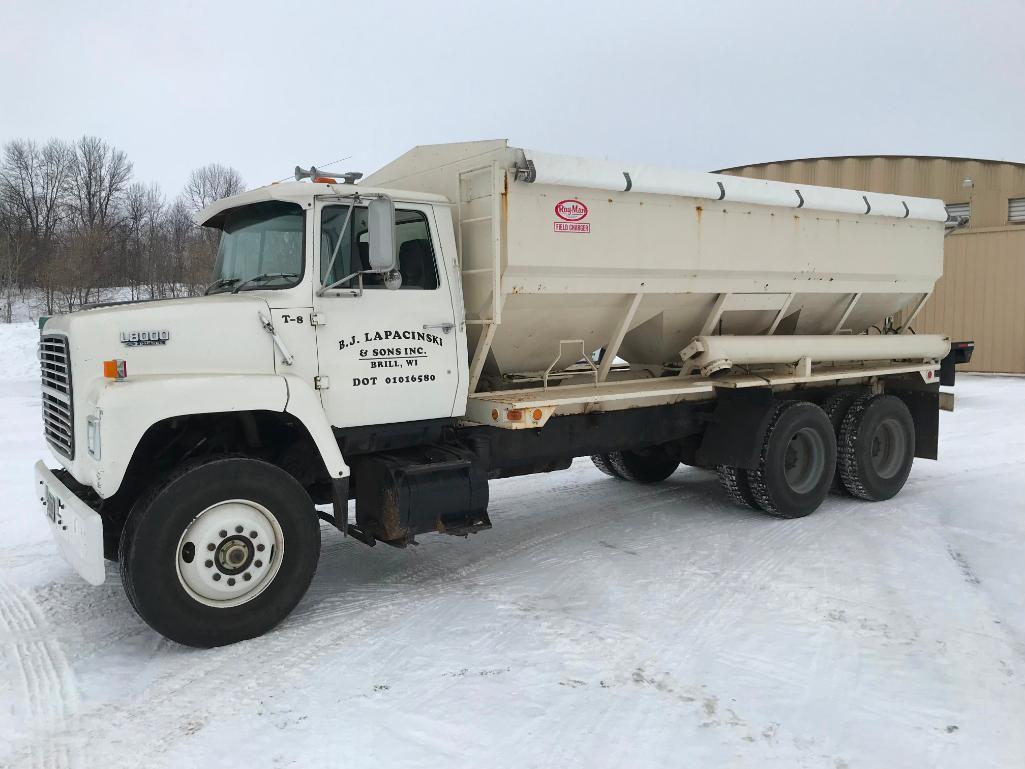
<point>514,415</point>
<point>115,369</point>
<point>325,180</point>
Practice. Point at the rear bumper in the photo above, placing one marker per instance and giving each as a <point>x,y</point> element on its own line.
<point>77,528</point>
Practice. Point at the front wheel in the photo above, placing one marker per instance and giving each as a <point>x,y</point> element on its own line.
<point>220,552</point>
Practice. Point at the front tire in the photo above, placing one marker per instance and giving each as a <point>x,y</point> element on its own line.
<point>220,552</point>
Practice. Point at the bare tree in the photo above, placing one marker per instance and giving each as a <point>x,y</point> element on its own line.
<point>34,182</point>
<point>209,183</point>
<point>15,242</point>
<point>98,181</point>
<point>75,229</point>
<point>143,262</point>
<point>34,187</point>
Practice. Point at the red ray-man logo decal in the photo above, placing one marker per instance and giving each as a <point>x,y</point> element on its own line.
<point>570,210</point>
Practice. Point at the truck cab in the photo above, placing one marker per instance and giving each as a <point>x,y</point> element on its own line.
<point>378,345</point>
<point>331,309</point>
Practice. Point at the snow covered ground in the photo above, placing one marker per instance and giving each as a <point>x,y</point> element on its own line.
<point>599,624</point>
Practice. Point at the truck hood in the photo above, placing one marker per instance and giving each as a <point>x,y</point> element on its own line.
<point>218,334</point>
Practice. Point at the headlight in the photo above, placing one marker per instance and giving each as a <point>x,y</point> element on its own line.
<point>92,436</point>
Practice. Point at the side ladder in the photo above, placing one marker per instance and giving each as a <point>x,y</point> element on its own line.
<point>477,193</point>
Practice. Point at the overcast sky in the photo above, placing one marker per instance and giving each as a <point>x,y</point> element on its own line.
<point>265,85</point>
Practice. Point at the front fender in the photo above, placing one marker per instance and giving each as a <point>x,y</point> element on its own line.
<point>127,409</point>
<point>304,404</point>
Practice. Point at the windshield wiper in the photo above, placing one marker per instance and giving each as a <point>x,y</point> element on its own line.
<point>262,277</point>
<point>221,283</point>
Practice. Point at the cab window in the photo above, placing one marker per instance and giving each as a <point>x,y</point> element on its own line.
<point>413,242</point>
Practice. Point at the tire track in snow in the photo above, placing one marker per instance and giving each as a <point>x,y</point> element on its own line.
<point>711,607</point>
<point>46,680</point>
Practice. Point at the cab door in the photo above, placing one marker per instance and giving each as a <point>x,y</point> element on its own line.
<point>386,355</point>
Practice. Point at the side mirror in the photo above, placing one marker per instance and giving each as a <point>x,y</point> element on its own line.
<point>381,230</point>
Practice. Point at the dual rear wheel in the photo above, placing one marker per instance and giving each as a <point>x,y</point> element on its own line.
<point>863,446</point>
<point>650,467</point>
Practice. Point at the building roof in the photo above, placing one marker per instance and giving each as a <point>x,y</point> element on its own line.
<point>951,158</point>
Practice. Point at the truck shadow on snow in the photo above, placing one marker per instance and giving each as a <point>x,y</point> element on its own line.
<point>587,510</point>
<point>579,509</point>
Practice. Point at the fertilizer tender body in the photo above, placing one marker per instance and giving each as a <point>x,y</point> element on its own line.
<point>477,311</point>
<point>565,244</point>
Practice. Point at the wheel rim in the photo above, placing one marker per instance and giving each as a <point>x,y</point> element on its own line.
<point>889,445</point>
<point>804,460</point>
<point>229,553</point>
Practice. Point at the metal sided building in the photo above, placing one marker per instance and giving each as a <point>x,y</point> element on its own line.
<point>981,295</point>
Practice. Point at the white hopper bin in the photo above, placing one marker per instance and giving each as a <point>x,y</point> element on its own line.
<point>641,260</point>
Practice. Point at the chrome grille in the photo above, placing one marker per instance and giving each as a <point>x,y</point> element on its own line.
<point>58,415</point>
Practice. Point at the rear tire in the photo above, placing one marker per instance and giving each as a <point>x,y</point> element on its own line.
<point>797,461</point>
<point>876,447</point>
<point>220,552</point>
<point>738,488</point>
<point>642,468</point>
<point>836,408</point>
<point>604,463</point>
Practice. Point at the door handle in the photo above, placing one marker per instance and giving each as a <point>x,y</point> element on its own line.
<point>445,327</point>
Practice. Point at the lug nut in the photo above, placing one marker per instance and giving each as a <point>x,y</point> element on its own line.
<point>231,582</point>
<point>260,547</point>
<point>209,564</point>
<point>223,533</point>
<point>210,547</point>
<point>238,529</point>
<point>217,577</point>
<point>252,535</point>
<point>247,576</point>
<point>257,564</point>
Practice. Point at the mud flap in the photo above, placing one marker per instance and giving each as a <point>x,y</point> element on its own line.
<point>737,427</point>
<point>924,405</point>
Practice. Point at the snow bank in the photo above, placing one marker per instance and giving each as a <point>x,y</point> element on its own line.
<point>18,343</point>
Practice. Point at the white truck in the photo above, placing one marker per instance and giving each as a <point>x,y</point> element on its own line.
<point>475,311</point>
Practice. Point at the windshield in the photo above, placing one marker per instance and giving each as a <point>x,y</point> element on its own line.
<point>258,241</point>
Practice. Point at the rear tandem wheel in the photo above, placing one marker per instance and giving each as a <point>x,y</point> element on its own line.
<point>649,467</point>
<point>797,462</point>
